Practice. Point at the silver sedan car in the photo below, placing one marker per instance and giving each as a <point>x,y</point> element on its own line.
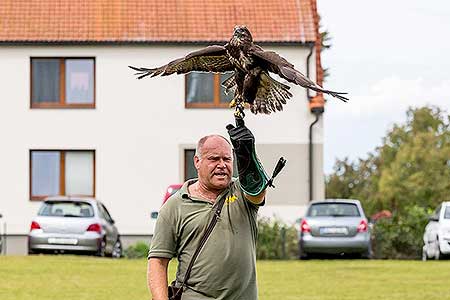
<point>335,226</point>
<point>74,224</point>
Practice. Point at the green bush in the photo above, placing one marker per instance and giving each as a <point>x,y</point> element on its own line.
<point>138,250</point>
<point>401,237</point>
<point>276,240</point>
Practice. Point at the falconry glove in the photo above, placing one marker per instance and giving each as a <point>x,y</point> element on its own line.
<point>252,176</point>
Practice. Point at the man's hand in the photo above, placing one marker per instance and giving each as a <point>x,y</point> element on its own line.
<point>252,176</point>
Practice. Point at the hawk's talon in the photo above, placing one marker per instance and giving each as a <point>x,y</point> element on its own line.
<point>239,112</point>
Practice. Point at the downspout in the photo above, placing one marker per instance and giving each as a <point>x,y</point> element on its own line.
<point>308,92</point>
<point>310,148</point>
<point>311,156</point>
<point>316,103</point>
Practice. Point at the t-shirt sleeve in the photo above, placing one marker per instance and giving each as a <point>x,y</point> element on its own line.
<point>164,239</point>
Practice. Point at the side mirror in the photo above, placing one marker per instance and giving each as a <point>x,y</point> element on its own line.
<point>433,219</point>
<point>154,215</point>
<point>112,221</point>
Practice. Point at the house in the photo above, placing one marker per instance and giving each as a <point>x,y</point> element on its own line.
<point>74,120</point>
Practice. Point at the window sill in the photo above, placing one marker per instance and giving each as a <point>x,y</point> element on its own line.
<point>206,105</point>
<point>64,106</point>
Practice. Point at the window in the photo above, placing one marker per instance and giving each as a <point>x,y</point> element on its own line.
<point>447,213</point>
<point>334,209</point>
<point>189,169</point>
<point>62,172</point>
<point>66,209</point>
<point>62,83</point>
<point>204,90</point>
<point>104,213</point>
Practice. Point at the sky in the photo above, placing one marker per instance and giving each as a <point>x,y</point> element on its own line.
<point>388,55</point>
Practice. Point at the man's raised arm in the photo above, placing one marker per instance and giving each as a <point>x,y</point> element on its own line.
<point>252,177</point>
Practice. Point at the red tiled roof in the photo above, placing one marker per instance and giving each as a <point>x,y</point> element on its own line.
<point>290,21</point>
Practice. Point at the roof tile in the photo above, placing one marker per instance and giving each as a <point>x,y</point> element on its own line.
<point>154,20</point>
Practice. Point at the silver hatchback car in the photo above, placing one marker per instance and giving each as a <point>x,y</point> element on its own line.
<point>335,226</point>
<point>74,224</point>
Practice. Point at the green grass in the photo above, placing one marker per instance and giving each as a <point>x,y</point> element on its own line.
<point>80,277</point>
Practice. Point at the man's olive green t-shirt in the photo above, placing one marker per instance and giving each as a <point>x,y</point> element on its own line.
<point>226,267</point>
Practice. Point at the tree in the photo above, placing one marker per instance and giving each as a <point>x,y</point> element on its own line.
<point>409,175</point>
<point>411,167</point>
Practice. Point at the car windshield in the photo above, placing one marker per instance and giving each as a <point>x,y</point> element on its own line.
<point>447,213</point>
<point>66,209</point>
<point>333,210</point>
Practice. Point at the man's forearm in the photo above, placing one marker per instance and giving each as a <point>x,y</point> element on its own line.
<point>258,199</point>
<point>157,278</point>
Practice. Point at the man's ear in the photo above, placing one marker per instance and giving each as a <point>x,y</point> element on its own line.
<point>196,162</point>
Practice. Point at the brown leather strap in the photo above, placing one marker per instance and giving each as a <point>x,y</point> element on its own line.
<point>202,242</point>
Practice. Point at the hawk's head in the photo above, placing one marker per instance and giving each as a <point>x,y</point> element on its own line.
<point>242,34</point>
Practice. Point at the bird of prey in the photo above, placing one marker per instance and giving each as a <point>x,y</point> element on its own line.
<point>251,66</point>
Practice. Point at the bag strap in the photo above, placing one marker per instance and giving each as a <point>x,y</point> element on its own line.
<point>202,242</point>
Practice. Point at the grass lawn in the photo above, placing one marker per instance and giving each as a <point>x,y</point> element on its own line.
<point>81,277</point>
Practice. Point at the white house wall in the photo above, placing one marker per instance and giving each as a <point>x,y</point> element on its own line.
<point>137,130</point>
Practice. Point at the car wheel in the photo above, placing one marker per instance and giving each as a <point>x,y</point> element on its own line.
<point>302,254</point>
<point>117,249</point>
<point>437,253</point>
<point>424,253</point>
<point>101,252</point>
<point>367,254</point>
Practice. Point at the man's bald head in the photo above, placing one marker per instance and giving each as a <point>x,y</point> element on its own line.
<point>202,141</point>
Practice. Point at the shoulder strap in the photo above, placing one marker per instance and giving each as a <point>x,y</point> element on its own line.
<point>205,236</point>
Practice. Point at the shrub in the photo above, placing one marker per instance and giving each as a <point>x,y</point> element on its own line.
<point>138,250</point>
<point>401,237</point>
<point>276,240</point>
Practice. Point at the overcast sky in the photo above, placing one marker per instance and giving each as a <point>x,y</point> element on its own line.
<point>389,55</point>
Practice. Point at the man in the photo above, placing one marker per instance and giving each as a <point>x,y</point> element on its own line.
<point>226,267</point>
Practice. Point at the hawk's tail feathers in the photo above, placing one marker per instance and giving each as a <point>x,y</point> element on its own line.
<point>271,96</point>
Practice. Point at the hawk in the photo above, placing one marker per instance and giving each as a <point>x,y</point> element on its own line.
<point>251,66</point>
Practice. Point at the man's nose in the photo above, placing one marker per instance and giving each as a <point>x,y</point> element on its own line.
<point>222,163</point>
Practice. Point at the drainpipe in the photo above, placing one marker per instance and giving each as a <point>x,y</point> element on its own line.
<point>316,105</point>
<point>311,156</point>
<point>308,92</point>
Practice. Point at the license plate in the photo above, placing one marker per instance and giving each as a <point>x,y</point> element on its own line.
<point>63,241</point>
<point>333,230</point>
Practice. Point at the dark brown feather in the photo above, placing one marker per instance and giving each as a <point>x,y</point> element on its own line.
<point>280,66</point>
<point>209,59</point>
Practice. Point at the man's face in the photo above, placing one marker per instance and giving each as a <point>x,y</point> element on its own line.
<point>215,166</point>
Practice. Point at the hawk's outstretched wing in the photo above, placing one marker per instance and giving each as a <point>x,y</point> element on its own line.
<point>278,65</point>
<point>210,59</point>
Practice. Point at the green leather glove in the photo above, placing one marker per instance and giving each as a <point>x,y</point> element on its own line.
<point>252,176</point>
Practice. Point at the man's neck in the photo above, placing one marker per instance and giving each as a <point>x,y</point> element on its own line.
<point>199,190</point>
